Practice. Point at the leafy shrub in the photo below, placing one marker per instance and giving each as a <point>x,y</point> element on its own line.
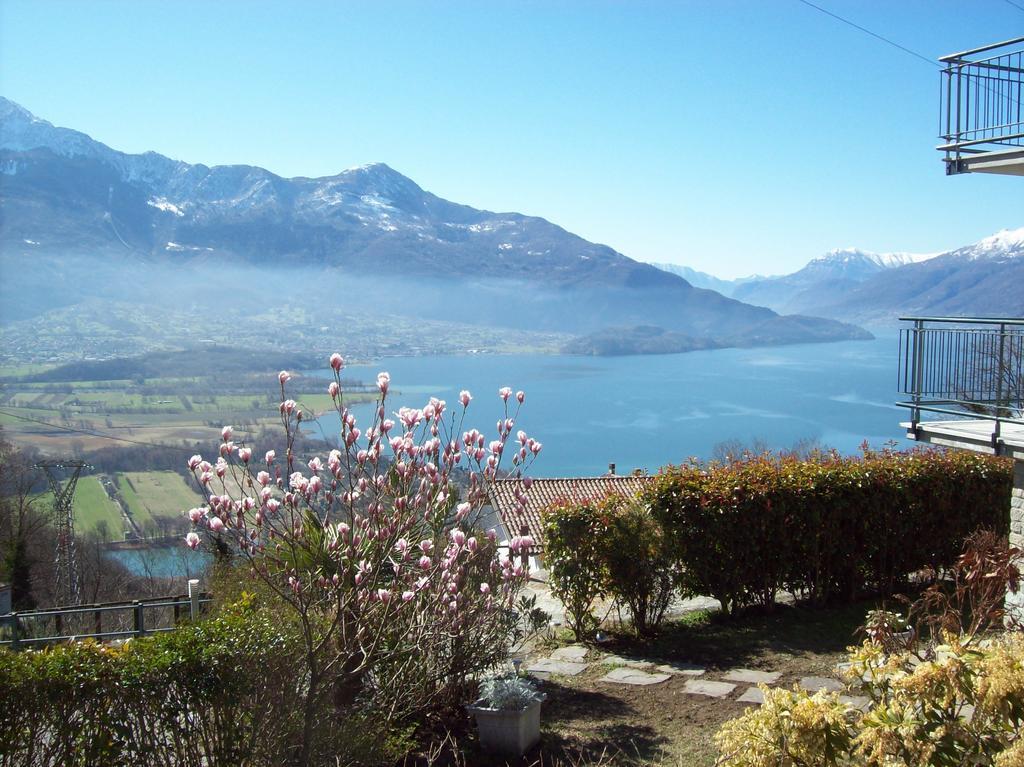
<point>186,697</point>
<point>608,546</point>
<point>827,527</point>
<point>573,533</point>
<point>952,697</point>
<point>965,707</point>
<point>638,565</point>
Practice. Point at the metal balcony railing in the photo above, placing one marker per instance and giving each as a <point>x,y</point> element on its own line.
<point>981,96</point>
<point>963,367</point>
<point>101,622</point>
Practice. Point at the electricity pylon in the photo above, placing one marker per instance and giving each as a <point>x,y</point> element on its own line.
<point>65,587</point>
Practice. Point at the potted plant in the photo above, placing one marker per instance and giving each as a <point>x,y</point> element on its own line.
<point>508,714</point>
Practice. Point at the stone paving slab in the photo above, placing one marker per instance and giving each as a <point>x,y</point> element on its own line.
<point>752,695</point>
<point>815,683</point>
<point>711,689</point>
<point>750,676</point>
<point>857,701</point>
<point>554,666</point>
<point>623,675</point>
<point>575,653</point>
<point>686,669</point>
<point>618,660</point>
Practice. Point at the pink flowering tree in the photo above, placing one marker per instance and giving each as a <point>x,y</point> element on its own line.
<point>400,598</point>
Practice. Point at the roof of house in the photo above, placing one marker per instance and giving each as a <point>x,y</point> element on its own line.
<point>544,492</point>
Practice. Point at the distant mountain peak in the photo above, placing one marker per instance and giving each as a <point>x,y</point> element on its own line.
<point>883,260</point>
<point>1004,241</point>
<point>9,109</point>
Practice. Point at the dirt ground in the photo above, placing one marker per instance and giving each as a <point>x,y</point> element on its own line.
<point>583,718</point>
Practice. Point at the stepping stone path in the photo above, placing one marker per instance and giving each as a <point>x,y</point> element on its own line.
<point>686,669</point>
<point>631,662</point>
<point>815,683</point>
<point>555,666</point>
<point>626,675</point>
<point>575,653</point>
<point>858,702</point>
<point>752,695</point>
<point>752,677</point>
<point>710,689</point>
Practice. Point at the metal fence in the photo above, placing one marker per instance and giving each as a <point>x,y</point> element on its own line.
<point>106,621</point>
<point>964,367</point>
<point>981,97</point>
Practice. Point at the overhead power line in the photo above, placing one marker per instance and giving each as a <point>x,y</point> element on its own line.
<point>91,433</point>
<point>1018,7</point>
<point>875,35</point>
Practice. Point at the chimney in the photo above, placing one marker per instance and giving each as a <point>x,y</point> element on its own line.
<point>611,470</point>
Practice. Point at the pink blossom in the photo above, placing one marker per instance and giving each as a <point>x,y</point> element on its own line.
<point>333,389</point>
<point>384,595</point>
<point>462,510</point>
<point>505,392</point>
<point>244,454</point>
<point>270,456</point>
<point>408,595</point>
<point>383,381</point>
<point>195,515</point>
<point>520,397</point>
<point>458,537</point>
<point>315,464</point>
<point>284,377</point>
<point>288,406</point>
<point>225,433</point>
<point>315,485</point>
<point>471,544</point>
<point>485,588</point>
<point>216,524</point>
<point>425,562</point>
<point>192,541</point>
<point>337,361</point>
<point>263,478</point>
<point>465,398</point>
<point>496,447</point>
<point>426,546</point>
<point>194,461</point>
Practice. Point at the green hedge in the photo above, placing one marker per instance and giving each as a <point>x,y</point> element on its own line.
<point>214,693</point>
<point>825,528</point>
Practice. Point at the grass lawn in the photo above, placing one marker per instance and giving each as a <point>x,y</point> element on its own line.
<point>92,506</point>
<point>662,725</point>
<point>152,494</point>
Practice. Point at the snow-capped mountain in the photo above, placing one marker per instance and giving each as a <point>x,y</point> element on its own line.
<point>64,193</point>
<point>871,287</point>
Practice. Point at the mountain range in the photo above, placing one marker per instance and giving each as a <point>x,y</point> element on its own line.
<point>84,215</point>
<point>980,279</point>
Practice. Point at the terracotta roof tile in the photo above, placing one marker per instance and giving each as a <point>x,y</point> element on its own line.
<point>544,492</point>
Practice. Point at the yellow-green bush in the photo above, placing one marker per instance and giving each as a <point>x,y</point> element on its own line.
<point>965,706</point>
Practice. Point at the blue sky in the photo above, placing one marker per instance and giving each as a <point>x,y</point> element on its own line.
<point>735,137</point>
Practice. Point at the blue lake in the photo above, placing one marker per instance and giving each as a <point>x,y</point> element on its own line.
<point>648,411</point>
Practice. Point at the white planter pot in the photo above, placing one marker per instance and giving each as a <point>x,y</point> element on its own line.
<point>511,732</point>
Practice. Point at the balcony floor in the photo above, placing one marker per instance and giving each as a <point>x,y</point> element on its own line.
<point>971,434</point>
<point>1006,163</point>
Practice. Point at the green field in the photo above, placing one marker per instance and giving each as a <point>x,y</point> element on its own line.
<point>92,507</point>
<point>151,494</point>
